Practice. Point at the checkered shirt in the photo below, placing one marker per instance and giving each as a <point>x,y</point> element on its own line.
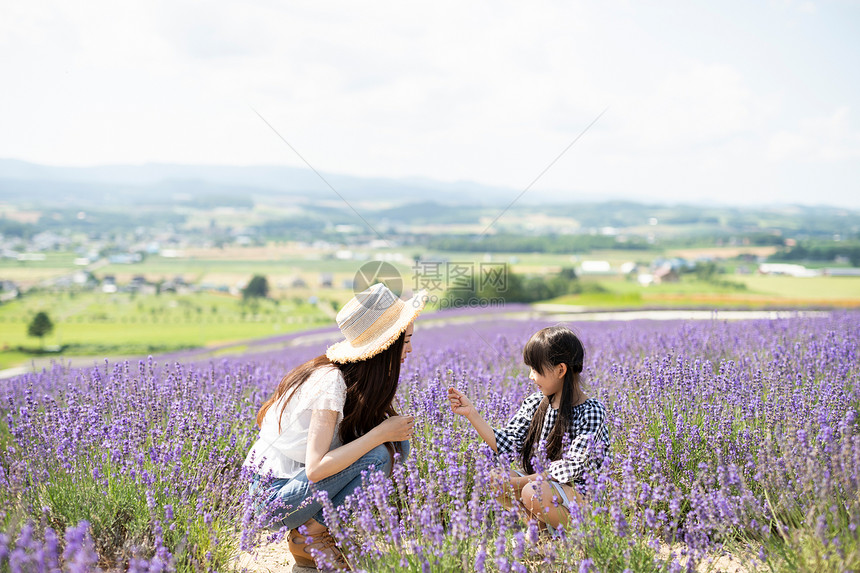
<point>586,428</point>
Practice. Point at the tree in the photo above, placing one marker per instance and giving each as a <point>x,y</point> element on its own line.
<point>257,288</point>
<point>40,326</point>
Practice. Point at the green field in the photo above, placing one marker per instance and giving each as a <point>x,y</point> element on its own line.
<point>95,323</point>
<point>761,290</point>
<point>122,324</point>
<point>234,266</point>
<point>52,261</point>
<point>815,288</point>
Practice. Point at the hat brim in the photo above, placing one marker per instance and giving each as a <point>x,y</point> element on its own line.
<point>344,351</point>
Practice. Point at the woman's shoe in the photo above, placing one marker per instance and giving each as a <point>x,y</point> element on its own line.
<point>322,542</point>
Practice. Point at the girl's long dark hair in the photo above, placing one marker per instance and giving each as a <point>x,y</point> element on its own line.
<point>370,388</point>
<point>545,350</point>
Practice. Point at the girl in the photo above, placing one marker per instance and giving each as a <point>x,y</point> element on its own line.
<point>559,412</point>
<point>332,417</point>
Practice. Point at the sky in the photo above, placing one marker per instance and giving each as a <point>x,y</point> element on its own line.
<point>722,102</point>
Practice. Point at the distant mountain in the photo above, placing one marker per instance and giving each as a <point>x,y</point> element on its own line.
<point>415,199</point>
<point>121,196</point>
<point>134,183</point>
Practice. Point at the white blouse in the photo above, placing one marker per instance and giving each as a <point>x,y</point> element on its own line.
<point>283,453</point>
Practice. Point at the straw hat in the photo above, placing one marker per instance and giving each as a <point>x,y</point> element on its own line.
<point>371,321</point>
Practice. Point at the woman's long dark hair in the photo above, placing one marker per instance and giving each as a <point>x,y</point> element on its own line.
<point>370,388</point>
<point>545,350</point>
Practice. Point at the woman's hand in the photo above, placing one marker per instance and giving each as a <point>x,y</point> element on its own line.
<point>460,403</point>
<point>322,462</point>
<point>395,429</point>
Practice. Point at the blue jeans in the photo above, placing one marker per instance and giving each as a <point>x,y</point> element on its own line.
<point>291,512</point>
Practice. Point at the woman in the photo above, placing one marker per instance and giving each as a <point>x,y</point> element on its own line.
<point>332,418</point>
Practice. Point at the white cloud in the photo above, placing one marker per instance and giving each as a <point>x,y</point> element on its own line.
<point>830,138</point>
<point>801,6</point>
<point>484,91</point>
<point>700,105</point>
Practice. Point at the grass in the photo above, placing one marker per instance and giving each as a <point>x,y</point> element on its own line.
<point>687,285</point>
<point>187,266</point>
<point>757,291</point>
<point>121,324</point>
<point>282,269</point>
<point>815,288</point>
<point>62,260</point>
<point>239,264</point>
<point>115,509</point>
<point>120,514</point>
<point>803,550</point>
<point>100,324</point>
<point>600,300</point>
<point>94,323</point>
<point>528,262</point>
<point>10,358</point>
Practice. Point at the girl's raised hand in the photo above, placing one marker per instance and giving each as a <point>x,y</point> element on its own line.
<point>460,403</point>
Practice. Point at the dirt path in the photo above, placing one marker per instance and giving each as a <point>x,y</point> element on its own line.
<point>722,563</point>
<point>276,558</point>
<point>270,558</point>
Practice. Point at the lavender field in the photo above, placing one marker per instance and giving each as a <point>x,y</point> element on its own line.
<point>727,438</point>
